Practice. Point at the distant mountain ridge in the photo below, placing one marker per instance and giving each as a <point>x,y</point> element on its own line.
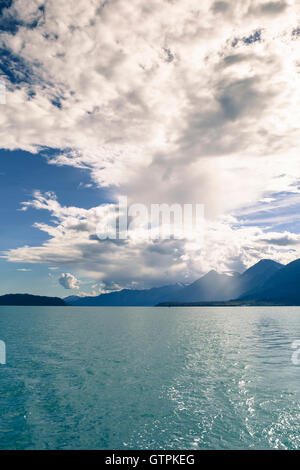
<point>265,283</point>
<point>212,287</point>
<point>282,288</point>
<point>257,275</point>
<point>128,297</point>
<point>272,284</point>
<point>31,300</point>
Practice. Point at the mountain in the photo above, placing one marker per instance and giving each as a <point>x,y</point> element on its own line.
<point>224,287</point>
<point>31,300</point>
<point>128,297</point>
<point>267,282</point>
<point>211,287</point>
<point>257,275</point>
<point>282,288</point>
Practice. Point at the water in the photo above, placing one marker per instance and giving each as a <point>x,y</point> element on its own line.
<point>149,378</point>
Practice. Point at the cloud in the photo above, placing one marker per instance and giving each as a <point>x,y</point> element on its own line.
<point>105,92</point>
<point>186,102</point>
<point>68,281</point>
<point>273,8</point>
<point>220,7</point>
<point>282,240</point>
<point>142,262</point>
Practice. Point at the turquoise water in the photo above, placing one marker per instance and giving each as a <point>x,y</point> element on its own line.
<point>149,378</point>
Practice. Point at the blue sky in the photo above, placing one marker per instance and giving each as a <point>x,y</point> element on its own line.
<point>200,105</point>
<point>21,174</point>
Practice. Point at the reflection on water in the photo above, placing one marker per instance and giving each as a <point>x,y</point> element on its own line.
<point>149,378</point>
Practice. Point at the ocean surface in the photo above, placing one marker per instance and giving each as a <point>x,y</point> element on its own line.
<point>149,378</point>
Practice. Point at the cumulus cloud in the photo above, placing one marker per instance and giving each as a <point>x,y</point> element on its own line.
<point>68,281</point>
<point>142,262</point>
<point>198,100</point>
<point>104,91</point>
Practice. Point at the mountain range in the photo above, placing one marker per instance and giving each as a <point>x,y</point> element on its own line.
<point>221,287</point>
<point>282,288</point>
<point>267,282</point>
<point>128,297</point>
<point>31,300</point>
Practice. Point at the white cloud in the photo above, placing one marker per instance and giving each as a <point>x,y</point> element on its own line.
<point>165,102</point>
<point>139,263</point>
<point>126,110</point>
<point>68,281</point>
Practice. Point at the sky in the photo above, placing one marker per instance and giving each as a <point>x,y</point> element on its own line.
<point>163,102</point>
